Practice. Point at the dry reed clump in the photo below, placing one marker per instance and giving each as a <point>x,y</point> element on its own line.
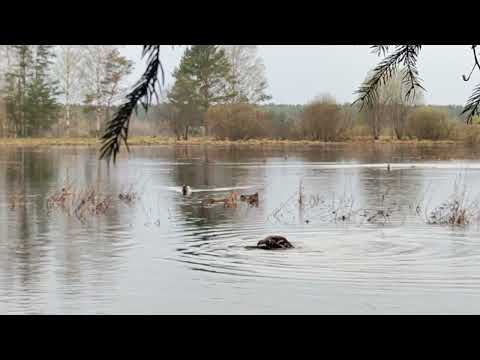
<point>458,209</point>
<point>17,200</point>
<point>81,202</point>
<point>230,201</point>
<point>62,198</point>
<point>343,208</point>
<point>129,196</point>
<point>380,215</point>
<point>251,200</point>
<point>450,212</point>
<point>90,202</point>
<point>330,208</point>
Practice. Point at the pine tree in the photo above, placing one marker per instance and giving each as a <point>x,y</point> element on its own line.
<point>187,104</point>
<point>17,78</point>
<point>203,79</point>
<point>41,105</point>
<point>30,92</point>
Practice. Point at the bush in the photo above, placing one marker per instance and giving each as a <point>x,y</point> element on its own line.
<point>476,120</point>
<point>428,124</point>
<point>321,120</point>
<point>472,134</point>
<point>237,122</point>
<point>469,134</point>
<point>281,125</point>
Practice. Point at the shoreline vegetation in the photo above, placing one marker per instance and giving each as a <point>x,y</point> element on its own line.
<point>71,95</point>
<point>158,140</point>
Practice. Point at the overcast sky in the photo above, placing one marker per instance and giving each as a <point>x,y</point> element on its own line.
<point>298,73</point>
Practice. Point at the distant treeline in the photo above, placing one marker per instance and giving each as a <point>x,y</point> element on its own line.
<point>315,121</point>
<point>322,119</point>
<point>218,91</point>
<point>452,111</point>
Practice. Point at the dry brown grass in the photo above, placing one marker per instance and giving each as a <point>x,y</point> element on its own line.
<point>154,140</point>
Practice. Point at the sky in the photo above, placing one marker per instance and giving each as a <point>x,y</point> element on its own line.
<point>298,73</point>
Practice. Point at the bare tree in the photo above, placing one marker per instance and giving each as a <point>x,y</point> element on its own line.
<point>4,62</point>
<point>68,74</point>
<point>248,70</point>
<point>103,73</point>
<point>4,52</point>
<point>391,104</point>
<point>92,74</point>
<point>117,68</point>
<point>375,114</point>
<point>6,57</point>
<point>398,106</point>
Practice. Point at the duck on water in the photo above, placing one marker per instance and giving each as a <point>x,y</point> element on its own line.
<point>273,242</point>
<point>186,189</point>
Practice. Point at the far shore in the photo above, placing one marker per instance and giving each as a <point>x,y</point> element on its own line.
<point>154,140</point>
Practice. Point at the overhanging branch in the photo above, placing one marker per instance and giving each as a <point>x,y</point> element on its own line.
<point>143,92</point>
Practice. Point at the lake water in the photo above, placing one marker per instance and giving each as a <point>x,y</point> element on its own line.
<point>171,254</point>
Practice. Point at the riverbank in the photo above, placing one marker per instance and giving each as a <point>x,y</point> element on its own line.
<point>154,140</point>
